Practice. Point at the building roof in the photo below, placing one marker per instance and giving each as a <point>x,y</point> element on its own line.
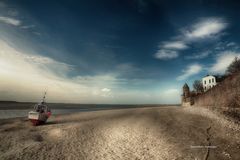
<point>185,85</point>
<point>210,75</point>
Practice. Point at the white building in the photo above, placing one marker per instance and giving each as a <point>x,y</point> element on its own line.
<point>208,82</point>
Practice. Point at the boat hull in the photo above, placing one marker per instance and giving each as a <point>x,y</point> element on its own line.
<point>36,122</point>
<point>38,118</point>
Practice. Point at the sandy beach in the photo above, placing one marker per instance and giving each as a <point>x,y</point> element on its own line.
<point>144,133</point>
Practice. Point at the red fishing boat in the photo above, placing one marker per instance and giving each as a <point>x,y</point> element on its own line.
<point>40,114</point>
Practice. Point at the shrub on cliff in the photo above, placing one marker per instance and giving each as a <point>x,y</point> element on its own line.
<point>198,86</point>
<point>234,67</point>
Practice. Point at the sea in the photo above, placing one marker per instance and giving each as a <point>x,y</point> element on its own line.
<point>57,109</point>
<point>13,113</point>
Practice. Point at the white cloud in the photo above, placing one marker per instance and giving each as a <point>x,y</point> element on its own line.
<point>98,80</point>
<point>190,71</point>
<point>178,45</point>
<point>169,50</point>
<point>223,60</point>
<point>206,28</point>
<point>10,21</point>
<point>25,77</point>
<point>106,90</point>
<point>166,54</point>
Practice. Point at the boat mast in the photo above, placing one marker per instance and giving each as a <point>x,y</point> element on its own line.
<point>44,96</point>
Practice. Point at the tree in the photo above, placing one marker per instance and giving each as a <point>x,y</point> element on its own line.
<point>198,86</point>
<point>234,67</point>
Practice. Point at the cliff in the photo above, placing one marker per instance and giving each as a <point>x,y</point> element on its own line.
<point>225,96</point>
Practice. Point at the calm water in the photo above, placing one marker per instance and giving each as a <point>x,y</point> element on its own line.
<point>12,113</point>
<point>24,112</point>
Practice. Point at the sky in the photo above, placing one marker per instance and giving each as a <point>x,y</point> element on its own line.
<point>113,51</point>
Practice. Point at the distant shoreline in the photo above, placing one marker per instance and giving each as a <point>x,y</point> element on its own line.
<point>12,105</point>
<point>6,113</point>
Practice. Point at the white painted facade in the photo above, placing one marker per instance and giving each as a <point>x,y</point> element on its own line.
<point>208,82</point>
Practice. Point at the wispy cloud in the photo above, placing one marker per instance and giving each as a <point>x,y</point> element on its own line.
<point>10,21</point>
<point>12,17</point>
<point>190,71</point>
<point>166,54</point>
<point>230,44</point>
<point>199,55</point>
<point>24,76</point>
<point>204,28</point>
<point>37,33</point>
<point>170,49</point>
<point>36,73</point>
<point>27,26</point>
<point>106,92</point>
<point>178,45</point>
<point>225,45</point>
<point>222,61</point>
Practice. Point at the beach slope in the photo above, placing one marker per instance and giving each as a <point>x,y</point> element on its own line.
<point>144,133</point>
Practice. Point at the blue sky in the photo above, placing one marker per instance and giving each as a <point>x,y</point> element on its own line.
<point>113,51</point>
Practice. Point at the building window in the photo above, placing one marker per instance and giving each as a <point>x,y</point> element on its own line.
<point>213,80</point>
<point>205,87</point>
<point>205,82</point>
<point>209,80</point>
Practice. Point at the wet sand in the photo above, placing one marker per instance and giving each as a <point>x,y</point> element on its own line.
<point>144,133</point>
